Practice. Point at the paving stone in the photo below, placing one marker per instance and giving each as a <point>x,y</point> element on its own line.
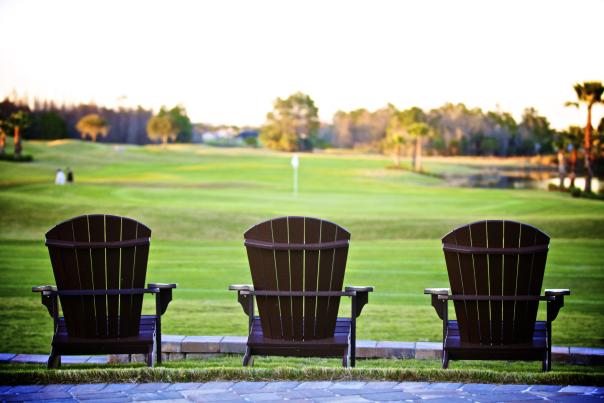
<point>314,385</point>
<point>412,385</point>
<point>155,396</point>
<point>57,388</point>
<point>98,359</point>
<point>599,391</point>
<point>201,344</point>
<point>386,385</point>
<point>233,344</point>
<point>586,355</point>
<point>478,387</point>
<point>389,396</point>
<point>75,359</point>
<point>560,354</point>
<point>395,349</point>
<point>247,387</point>
<point>4,389</point>
<point>448,399</point>
<point>119,358</point>
<point>150,387</point>
<point>30,359</point>
<point>347,399</point>
<point>367,349</point>
<point>114,400</point>
<point>578,389</point>
<point>306,394</point>
<point>173,356</point>
<point>184,386</point>
<point>170,343</point>
<point>103,395</point>
<point>347,385</point>
<point>38,396</point>
<point>217,385</point>
<point>510,388</point>
<point>575,398</point>
<point>428,351</point>
<point>167,401</point>
<point>25,389</point>
<point>260,397</point>
<point>279,386</point>
<point>196,396</point>
<point>5,357</point>
<point>545,388</point>
<point>201,356</point>
<point>504,397</point>
<point>137,357</point>
<point>87,388</point>
<point>444,386</point>
<point>119,387</point>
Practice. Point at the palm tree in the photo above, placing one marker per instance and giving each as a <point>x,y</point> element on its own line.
<point>419,130</point>
<point>395,136</point>
<point>4,128</point>
<point>589,93</point>
<point>18,120</point>
<point>570,140</point>
<point>92,125</point>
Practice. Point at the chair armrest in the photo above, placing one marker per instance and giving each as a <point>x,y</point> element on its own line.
<point>163,296</point>
<point>438,297</point>
<point>246,299</point>
<point>436,291</point>
<point>42,288</point>
<point>241,287</point>
<point>359,288</point>
<point>555,292</point>
<point>359,299</point>
<point>556,303</point>
<point>161,286</point>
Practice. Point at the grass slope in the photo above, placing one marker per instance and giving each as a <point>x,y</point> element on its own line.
<point>200,200</point>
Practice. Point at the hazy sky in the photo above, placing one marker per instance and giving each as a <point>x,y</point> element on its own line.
<point>226,61</point>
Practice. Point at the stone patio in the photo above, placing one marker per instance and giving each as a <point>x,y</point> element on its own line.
<point>302,392</point>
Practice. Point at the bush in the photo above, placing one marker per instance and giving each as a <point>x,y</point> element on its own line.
<point>13,158</point>
<point>575,192</point>
<point>552,187</point>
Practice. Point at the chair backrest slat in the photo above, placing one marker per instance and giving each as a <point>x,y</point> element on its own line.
<point>86,260</point>
<point>296,262</point>
<point>515,267</point>
<point>277,268</point>
<point>312,234</point>
<point>113,234</point>
<point>96,227</point>
<point>478,233</point>
<point>84,274</point>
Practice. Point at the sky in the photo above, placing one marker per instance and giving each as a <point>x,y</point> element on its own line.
<point>227,61</point>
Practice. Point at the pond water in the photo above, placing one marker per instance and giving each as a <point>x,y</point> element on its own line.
<point>506,178</point>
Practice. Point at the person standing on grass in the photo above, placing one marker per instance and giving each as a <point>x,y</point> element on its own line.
<point>69,176</point>
<point>60,177</point>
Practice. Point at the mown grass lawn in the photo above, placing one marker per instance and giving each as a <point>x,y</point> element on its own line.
<point>198,202</point>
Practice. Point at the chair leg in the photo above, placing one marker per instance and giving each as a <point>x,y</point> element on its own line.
<point>247,358</point>
<point>54,360</point>
<point>445,360</point>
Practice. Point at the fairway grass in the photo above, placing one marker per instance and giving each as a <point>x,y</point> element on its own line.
<point>198,201</point>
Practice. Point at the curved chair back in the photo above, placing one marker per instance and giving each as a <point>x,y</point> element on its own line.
<point>100,252</point>
<point>496,258</point>
<point>297,254</point>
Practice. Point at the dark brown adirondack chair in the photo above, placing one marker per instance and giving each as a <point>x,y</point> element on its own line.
<point>496,271</point>
<point>100,263</point>
<point>297,266</point>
